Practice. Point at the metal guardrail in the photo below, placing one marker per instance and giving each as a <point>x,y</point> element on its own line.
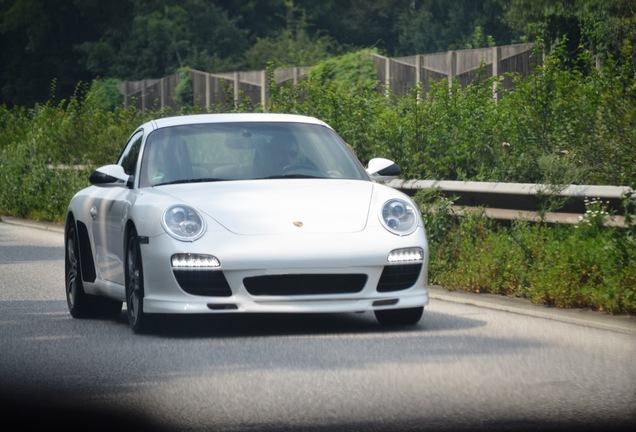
<point>510,201</point>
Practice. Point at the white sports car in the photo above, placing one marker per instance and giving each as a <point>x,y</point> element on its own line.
<point>230,213</point>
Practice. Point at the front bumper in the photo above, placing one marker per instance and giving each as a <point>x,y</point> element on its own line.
<point>312,273</point>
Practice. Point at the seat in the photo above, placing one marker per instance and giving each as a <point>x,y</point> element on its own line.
<point>177,164</point>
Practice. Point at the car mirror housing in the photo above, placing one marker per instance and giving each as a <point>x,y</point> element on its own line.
<point>111,175</point>
<point>380,169</point>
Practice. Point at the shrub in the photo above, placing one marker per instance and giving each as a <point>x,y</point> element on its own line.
<point>588,265</point>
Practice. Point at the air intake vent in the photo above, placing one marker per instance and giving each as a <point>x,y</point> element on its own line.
<point>203,282</point>
<point>305,284</point>
<point>399,277</point>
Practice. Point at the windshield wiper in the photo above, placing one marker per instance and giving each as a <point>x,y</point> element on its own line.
<point>193,180</point>
<point>293,176</point>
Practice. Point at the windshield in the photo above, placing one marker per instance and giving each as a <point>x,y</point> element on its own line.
<point>244,151</point>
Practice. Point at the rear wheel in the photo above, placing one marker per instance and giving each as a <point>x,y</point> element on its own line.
<point>76,299</point>
<point>410,316</point>
<point>139,321</point>
<point>80,304</point>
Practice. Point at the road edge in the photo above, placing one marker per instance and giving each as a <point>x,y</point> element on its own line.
<point>583,317</point>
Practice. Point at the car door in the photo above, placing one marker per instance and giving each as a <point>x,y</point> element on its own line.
<point>109,212</point>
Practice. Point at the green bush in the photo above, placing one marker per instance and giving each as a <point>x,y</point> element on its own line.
<point>32,188</point>
<point>48,151</point>
<point>588,265</point>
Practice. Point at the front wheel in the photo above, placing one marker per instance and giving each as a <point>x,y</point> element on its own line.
<point>139,321</point>
<point>80,304</point>
<point>398,317</point>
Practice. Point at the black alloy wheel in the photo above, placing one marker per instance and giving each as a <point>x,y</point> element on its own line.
<point>80,304</point>
<point>139,321</point>
<point>76,299</point>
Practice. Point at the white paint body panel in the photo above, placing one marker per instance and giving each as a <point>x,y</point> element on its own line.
<point>254,228</point>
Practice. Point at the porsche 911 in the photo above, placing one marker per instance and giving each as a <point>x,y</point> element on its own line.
<point>234,213</point>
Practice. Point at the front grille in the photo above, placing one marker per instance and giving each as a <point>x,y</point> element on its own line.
<point>399,277</point>
<point>304,284</point>
<point>203,282</point>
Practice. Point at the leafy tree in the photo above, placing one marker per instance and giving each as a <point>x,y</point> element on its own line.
<point>67,42</point>
<point>602,26</point>
<point>167,35</point>
<point>36,48</point>
<point>258,18</point>
<point>438,25</point>
<point>291,46</point>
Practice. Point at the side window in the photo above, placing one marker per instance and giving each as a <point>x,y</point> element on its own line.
<point>128,159</point>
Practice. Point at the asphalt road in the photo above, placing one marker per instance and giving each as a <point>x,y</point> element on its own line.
<point>474,362</point>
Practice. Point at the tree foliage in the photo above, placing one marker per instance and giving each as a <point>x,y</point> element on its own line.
<point>73,41</point>
<point>601,26</point>
<point>291,46</point>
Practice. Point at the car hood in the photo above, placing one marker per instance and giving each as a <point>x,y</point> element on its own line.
<point>281,206</point>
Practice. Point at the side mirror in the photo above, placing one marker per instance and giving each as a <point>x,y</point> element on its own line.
<point>381,169</point>
<point>111,175</point>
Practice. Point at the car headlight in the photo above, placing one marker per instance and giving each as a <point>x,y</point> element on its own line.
<point>183,223</point>
<point>399,217</point>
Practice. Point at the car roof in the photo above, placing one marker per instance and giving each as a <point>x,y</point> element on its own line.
<point>233,117</point>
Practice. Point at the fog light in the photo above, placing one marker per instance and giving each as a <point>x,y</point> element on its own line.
<point>185,261</point>
<point>408,254</point>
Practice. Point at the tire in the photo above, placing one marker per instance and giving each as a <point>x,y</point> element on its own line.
<point>399,317</point>
<point>76,299</point>
<point>138,320</point>
<point>80,304</point>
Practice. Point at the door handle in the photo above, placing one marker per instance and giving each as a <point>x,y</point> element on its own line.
<point>93,212</point>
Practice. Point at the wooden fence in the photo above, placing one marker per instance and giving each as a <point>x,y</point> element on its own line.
<point>395,75</point>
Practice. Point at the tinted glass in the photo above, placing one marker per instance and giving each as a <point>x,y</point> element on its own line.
<point>244,151</point>
<point>128,159</point>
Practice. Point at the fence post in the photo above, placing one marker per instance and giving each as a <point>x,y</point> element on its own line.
<point>207,90</point>
<point>162,94</point>
<point>236,87</point>
<point>387,75</point>
<point>496,59</point>
<point>126,93</point>
<point>418,71</point>
<point>452,67</point>
<point>143,96</point>
<point>264,89</point>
